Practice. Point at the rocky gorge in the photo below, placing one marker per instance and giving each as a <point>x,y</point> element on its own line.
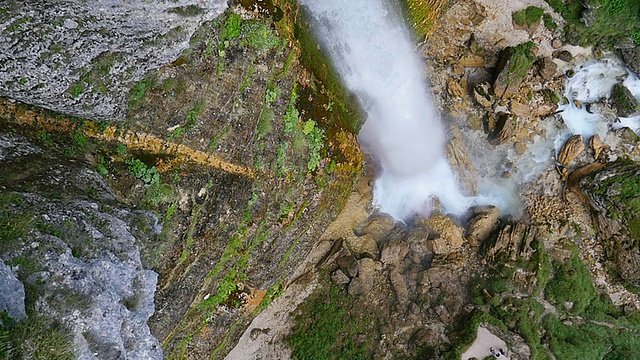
<point>229,214</point>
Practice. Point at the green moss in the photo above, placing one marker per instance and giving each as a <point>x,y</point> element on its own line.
<point>258,35</point>
<point>520,62</point>
<point>623,100</point>
<point>549,23</point>
<point>571,283</point>
<point>614,20</point>
<point>466,334</point>
<point>326,327</point>
<point>527,17</point>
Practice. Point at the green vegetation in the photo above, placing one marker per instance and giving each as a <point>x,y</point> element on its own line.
<point>315,138</point>
<point>520,62</point>
<point>333,331</point>
<point>76,89</point>
<point>34,337</point>
<point>612,21</point>
<point>527,17</point>
<point>136,96</point>
<point>258,35</point>
<point>571,283</point>
<point>549,23</point>
<point>623,100</point>
<point>231,27</point>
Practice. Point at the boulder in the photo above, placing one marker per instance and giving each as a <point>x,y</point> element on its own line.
<point>612,192</point>
<point>11,293</point>
<point>394,252</point>
<point>623,101</point>
<point>546,68</point>
<point>505,127</point>
<point>448,236</point>
<point>378,225</point>
<point>513,66</point>
<point>571,149</point>
<point>598,148</point>
<point>513,241</point>
<point>563,55</point>
<point>460,162</point>
<point>83,57</point>
<point>631,57</point>
<point>363,246</point>
<point>368,269</point>
<point>483,94</point>
<point>482,224</point>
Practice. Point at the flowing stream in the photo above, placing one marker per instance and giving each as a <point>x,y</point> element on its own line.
<point>372,51</point>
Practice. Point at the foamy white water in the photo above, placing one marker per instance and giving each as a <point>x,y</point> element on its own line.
<point>593,81</point>
<point>373,53</point>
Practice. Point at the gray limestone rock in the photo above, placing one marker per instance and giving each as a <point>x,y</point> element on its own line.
<point>11,293</point>
<point>83,253</point>
<point>83,57</point>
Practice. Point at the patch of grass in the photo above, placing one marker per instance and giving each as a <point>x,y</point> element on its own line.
<point>281,158</point>
<point>231,27</point>
<point>138,92</point>
<point>76,89</point>
<point>80,139</point>
<point>265,121</point>
<point>315,138</point>
<point>45,137</point>
<point>291,119</point>
<point>193,114</point>
<point>527,17</point>
<point>327,328</point>
<point>549,23</point>
<point>141,171</point>
<point>571,283</point>
<point>35,337</point>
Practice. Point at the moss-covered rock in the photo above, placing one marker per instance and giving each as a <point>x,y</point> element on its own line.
<point>513,66</point>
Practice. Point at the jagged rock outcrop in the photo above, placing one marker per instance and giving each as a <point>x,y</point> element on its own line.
<point>482,224</point>
<point>623,100</point>
<point>460,161</point>
<point>83,57</point>
<point>11,293</point>
<point>448,237</point>
<point>82,251</point>
<point>613,195</point>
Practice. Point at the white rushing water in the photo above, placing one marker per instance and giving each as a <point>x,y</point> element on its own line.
<point>373,53</point>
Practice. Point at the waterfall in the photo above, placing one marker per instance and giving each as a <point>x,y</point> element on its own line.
<point>372,52</point>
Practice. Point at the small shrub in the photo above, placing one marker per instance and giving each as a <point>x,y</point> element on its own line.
<point>528,16</point>
<point>259,36</point>
<point>291,119</point>
<point>549,23</point>
<point>231,27</point>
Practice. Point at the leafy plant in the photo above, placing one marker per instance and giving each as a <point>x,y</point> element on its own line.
<point>231,27</point>
<point>138,92</point>
<point>291,119</point>
<point>141,171</point>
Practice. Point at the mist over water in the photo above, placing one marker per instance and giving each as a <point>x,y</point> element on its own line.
<point>373,53</point>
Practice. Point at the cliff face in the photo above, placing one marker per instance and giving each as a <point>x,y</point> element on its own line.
<point>77,252</point>
<point>83,57</point>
